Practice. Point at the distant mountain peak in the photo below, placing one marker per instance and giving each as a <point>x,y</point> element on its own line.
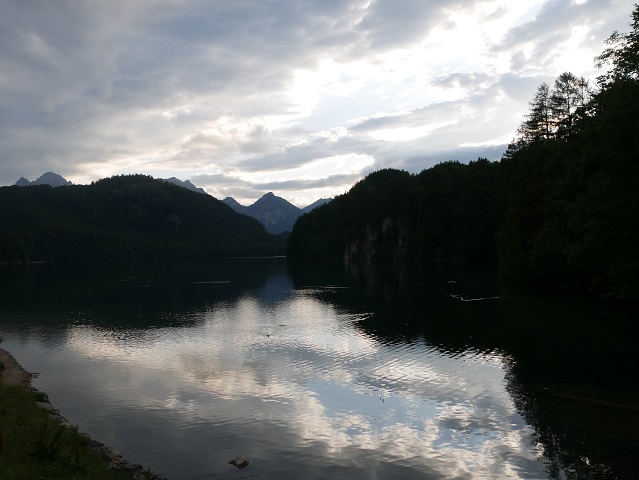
<point>234,204</point>
<point>23,182</point>
<point>48,178</point>
<point>270,199</point>
<point>275,213</point>
<point>186,184</point>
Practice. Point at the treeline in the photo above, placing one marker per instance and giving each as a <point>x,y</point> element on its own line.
<point>560,210</point>
<point>124,218</point>
<point>446,213</point>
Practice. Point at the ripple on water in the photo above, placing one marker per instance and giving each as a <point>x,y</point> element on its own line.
<point>297,387</point>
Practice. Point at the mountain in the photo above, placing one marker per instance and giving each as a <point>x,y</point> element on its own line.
<point>275,213</point>
<point>186,184</point>
<point>55,180</point>
<point>128,217</point>
<point>49,178</point>
<point>234,204</point>
<point>448,213</point>
<point>22,182</point>
<point>315,204</point>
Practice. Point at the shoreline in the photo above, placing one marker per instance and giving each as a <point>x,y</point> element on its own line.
<point>14,375</point>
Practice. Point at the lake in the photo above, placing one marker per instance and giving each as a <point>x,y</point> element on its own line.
<point>324,370</point>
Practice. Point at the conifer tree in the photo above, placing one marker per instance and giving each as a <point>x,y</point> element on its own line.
<point>538,124</point>
<point>622,55</point>
<point>569,95</point>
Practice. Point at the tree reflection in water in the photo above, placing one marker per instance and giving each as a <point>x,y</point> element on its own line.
<point>570,362</point>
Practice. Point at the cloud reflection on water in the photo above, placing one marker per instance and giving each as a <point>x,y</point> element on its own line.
<point>297,373</point>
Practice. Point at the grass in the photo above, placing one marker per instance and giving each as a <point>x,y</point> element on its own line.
<point>34,445</point>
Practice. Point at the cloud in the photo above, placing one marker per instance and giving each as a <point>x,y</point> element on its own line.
<point>543,43</point>
<point>392,24</point>
<point>248,88</point>
<point>466,80</point>
<point>333,180</point>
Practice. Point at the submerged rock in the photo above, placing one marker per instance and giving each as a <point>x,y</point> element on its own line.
<point>239,461</point>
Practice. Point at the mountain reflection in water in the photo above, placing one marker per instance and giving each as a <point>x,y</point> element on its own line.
<point>321,371</point>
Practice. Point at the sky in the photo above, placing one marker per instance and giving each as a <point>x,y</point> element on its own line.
<point>302,98</point>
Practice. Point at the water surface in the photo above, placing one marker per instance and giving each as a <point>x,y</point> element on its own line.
<point>307,371</point>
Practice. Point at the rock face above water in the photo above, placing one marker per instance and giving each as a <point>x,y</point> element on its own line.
<point>49,178</point>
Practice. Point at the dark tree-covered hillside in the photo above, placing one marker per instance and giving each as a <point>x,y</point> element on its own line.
<point>444,213</point>
<point>124,217</point>
<point>559,211</point>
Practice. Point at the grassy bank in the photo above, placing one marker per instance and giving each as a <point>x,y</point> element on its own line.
<point>34,444</point>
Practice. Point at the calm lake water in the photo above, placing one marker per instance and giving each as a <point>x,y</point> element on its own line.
<point>317,371</point>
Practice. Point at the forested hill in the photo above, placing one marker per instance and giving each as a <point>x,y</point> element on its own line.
<point>447,213</point>
<point>124,217</point>
<point>560,210</point>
